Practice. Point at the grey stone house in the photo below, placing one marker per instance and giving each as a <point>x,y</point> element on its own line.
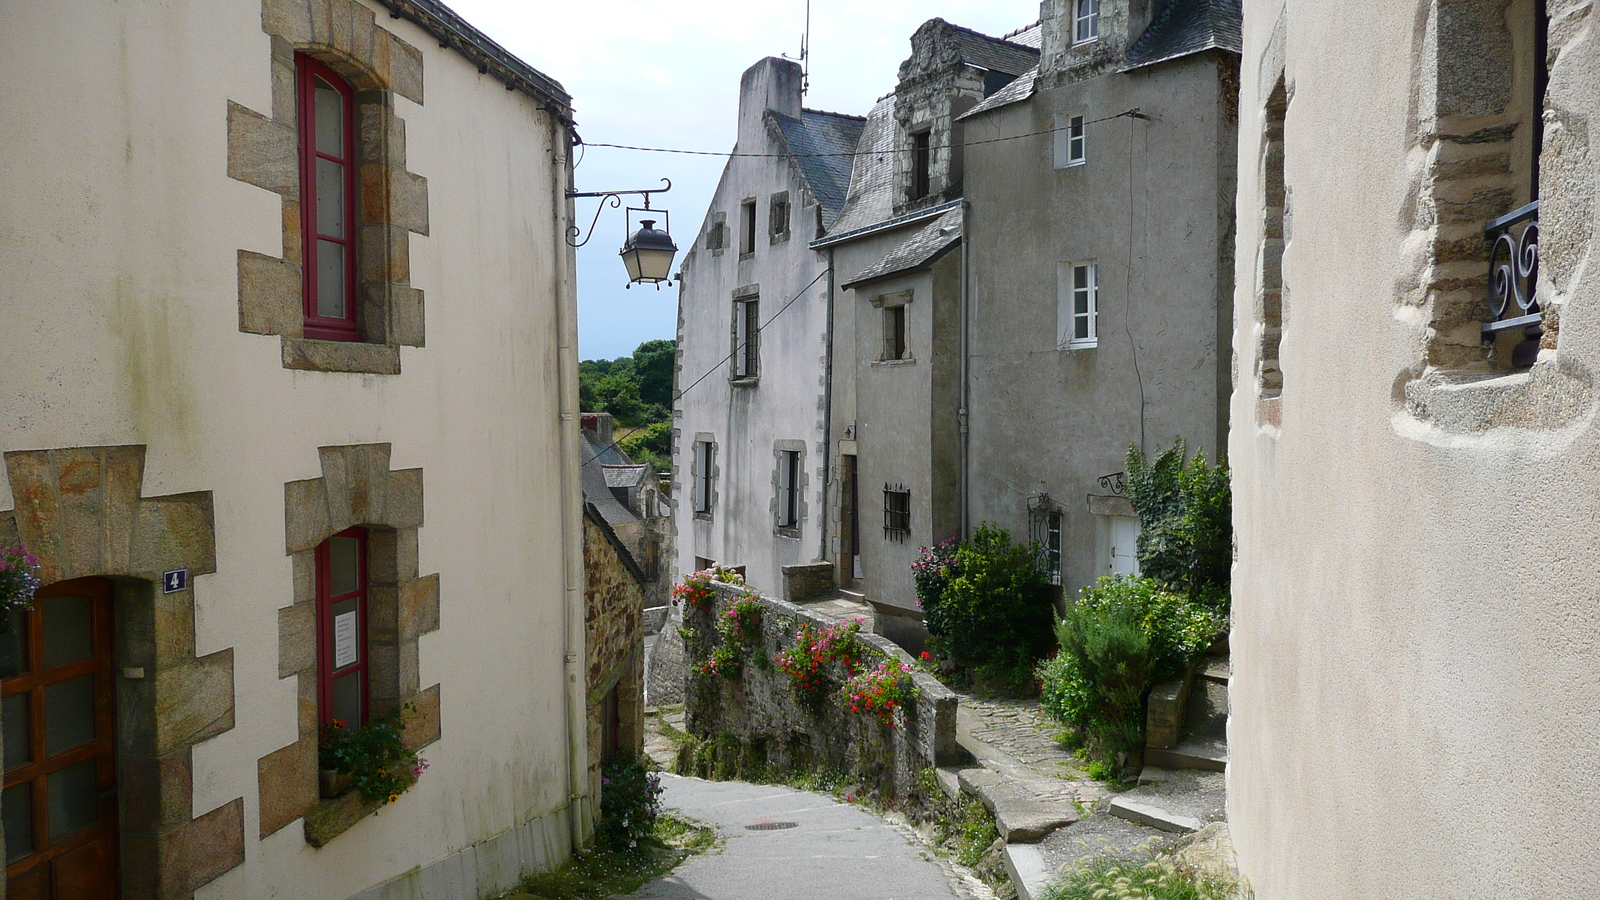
<point>1099,202</point>
<point>750,414</point>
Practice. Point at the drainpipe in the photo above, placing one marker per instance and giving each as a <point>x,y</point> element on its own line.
<point>961,413</point>
<point>579,809</point>
<point>827,416</point>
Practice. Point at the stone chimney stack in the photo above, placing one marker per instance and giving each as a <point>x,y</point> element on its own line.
<point>598,427</point>
<point>773,84</point>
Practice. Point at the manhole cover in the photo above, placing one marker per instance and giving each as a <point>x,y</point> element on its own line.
<point>771,826</point>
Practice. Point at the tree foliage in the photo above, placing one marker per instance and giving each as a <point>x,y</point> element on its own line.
<point>636,390</point>
<point>1185,512</point>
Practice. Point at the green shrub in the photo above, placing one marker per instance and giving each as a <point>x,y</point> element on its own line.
<point>988,605</point>
<point>1119,638</point>
<point>630,800</point>
<point>1185,518</point>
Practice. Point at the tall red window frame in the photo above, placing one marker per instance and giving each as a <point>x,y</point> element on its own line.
<point>327,674</point>
<point>329,328</point>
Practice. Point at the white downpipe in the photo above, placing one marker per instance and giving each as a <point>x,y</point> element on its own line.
<point>580,811</point>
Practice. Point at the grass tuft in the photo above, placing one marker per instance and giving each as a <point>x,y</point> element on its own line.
<point>600,874</point>
<point>1156,877</point>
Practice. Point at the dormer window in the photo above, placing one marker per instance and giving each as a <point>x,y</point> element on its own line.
<point>1086,21</point>
<point>921,160</point>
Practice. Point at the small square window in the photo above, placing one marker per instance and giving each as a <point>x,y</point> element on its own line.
<point>1086,21</point>
<point>778,217</point>
<point>1077,303</point>
<point>896,512</point>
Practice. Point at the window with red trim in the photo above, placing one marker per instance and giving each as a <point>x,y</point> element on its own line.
<point>327,200</point>
<point>342,679</point>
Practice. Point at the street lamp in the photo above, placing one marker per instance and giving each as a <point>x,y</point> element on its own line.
<point>648,252</point>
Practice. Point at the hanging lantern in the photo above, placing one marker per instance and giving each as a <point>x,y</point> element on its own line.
<point>648,255</point>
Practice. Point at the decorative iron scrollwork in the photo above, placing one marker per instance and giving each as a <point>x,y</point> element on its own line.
<point>1513,280</point>
<point>1116,482</point>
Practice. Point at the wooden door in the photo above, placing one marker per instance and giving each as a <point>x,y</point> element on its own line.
<point>60,806</point>
<point>849,540</point>
<point>1124,540</point>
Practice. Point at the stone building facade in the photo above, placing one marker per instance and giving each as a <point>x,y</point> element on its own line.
<point>750,416</point>
<point>1415,499</point>
<point>1100,207</point>
<point>249,355</point>
<point>614,590</point>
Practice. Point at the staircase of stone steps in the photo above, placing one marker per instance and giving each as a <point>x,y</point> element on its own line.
<point>1182,785</point>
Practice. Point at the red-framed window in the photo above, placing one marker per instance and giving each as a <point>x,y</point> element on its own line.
<point>342,682</point>
<point>327,200</point>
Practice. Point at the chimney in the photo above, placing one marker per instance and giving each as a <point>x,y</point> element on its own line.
<point>773,84</point>
<point>597,426</point>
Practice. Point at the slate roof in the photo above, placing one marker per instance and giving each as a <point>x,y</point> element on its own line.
<point>1186,27</point>
<point>596,491</point>
<point>622,476</point>
<point>1031,36</point>
<point>820,141</point>
<point>992,53</point>
<point>1015,92</point>
<point>871,183</point>
<point>917,252</point>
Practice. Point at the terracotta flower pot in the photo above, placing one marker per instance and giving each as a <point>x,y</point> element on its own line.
<point>331,783</point>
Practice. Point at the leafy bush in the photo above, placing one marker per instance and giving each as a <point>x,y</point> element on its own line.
<point>651,445</point>
<point>1120,637</point>
<point>630,800</point>
<point>990,604</point>
<point>695,591</point>
<point>373,755</point>
<point>1159,878</point>
<point>1185,519</point>
<point>933,569</point>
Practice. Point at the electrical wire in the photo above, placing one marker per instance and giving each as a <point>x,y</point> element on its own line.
<point>709,372</point>
<point>852,153</point>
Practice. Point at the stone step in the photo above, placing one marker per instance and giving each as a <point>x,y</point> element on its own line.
<point>1019,816</point>
<point>1217,668</point>
<point>1030,875</point>
<point>1173,800</point>
<point>1207,753</point>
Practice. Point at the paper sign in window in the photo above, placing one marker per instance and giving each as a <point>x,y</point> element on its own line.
<point>344,640</point>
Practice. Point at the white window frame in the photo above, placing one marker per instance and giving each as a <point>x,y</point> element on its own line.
<point>788,488</point>
<point>1085,21</point>
<point>1070,142</point>
<point>703,455</point>
<point>1075,303</point>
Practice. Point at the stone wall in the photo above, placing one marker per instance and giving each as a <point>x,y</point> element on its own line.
<point>754,724</point>
<point>614,636</point>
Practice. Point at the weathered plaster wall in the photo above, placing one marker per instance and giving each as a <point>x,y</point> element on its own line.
<point>122,328</point>
<point>1414,597</point>
<point>1152,207</point>
<point>773,729</point>
<point>786,401</point>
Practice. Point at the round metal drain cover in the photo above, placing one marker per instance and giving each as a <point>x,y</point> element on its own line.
<point>771,826</point>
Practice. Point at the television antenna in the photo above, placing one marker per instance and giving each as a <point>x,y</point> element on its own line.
<point>804,59</point>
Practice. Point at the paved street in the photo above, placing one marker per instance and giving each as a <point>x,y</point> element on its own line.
<point>784,843</point>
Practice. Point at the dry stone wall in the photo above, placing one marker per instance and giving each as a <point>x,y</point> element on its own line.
<point>754,724</point>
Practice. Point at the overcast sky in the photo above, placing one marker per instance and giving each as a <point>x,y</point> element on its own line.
<point>667,75</point>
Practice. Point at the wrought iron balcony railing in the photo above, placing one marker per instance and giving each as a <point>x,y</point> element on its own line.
<point>1513,277</point>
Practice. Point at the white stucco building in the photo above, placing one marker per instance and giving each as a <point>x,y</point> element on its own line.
<point>289,418</point>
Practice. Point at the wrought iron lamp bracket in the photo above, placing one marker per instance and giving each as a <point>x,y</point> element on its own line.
<point>614,198</point>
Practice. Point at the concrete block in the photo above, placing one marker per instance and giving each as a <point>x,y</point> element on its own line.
<point>340,356</point>
<point>1028,870</point>
<point>297,639</point>
<point>287,781</point>
<point>262,151</point>
<point>1135,810</point>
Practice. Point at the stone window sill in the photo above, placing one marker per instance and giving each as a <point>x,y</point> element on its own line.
<point>333,817</point>
<point>793,533</point>
<point>311,355</point>
<point>746,381</point>
<point>780,239</point>
<point>746,256</point>
<point>891,363</point>
<point>703,516</point>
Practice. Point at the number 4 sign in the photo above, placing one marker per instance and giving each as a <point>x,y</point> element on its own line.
<point>174,581</point>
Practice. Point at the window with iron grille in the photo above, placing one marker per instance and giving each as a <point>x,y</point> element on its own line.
<point>896,512</point>
<point>746,338</point>
<point>1044,529</point>
<point>788,488</point>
